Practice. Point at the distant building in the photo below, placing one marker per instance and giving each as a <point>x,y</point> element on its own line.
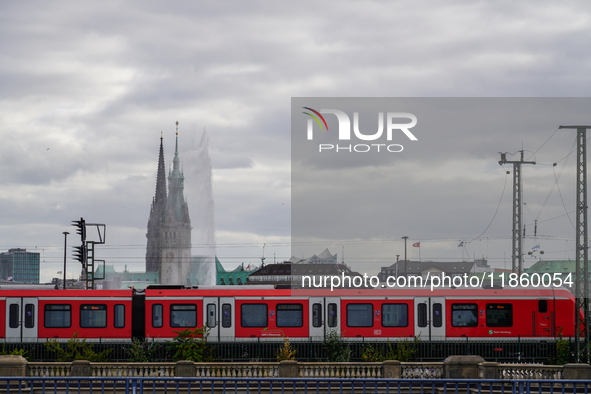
<point>238,276</point>
<point>290,275</point>
<point>114,280</point>
<point>168,250</point>
<point>323,258</point>
<point>432,268</point>
<point>562,267</point>
<point>19,265</point>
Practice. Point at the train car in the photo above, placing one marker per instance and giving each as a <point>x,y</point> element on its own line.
<point>31,314</point>
<point>228,313</point>
<point>456,313</point>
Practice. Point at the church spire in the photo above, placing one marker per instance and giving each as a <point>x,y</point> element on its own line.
<point>176,183</point>
<point>160,176</point>
<point>176,160</point>
<point>176,149</point>
<point>157,210</point>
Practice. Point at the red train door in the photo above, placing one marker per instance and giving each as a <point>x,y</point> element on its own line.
<point>21,319</point>
<point>543,319</point>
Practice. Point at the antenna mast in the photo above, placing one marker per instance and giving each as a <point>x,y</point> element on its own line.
<point>582,262</point>
<point>517,255</point>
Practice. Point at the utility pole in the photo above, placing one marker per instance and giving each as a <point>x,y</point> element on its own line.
<point>65,247</point>
<point>582,262</point>
<point>405,260</point>
<point>517,255</point>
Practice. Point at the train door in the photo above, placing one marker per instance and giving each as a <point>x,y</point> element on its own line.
<point>219,317</point>
<point>21,319</point>
<point>543,318</point>
<point>430,318</point>
<point>324,316</point>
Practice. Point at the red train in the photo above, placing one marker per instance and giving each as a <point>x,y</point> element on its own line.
<point>252,312</point>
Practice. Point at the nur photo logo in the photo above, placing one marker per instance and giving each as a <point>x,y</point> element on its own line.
<point>395,122</point>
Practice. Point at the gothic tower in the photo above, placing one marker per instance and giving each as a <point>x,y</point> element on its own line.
<point>175,229</point>
<point>153,250</point>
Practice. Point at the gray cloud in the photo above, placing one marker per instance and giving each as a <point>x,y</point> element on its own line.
<point>96,85</point>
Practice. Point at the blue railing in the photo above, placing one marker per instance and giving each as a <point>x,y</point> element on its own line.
<point>20,385</point>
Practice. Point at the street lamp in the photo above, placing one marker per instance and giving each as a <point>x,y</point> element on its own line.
<point>405,260</point>
<point>65,246</point>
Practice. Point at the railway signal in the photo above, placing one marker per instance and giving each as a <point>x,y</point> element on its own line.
<point>81,254</point>
<point>85,253</point>
<point>80,228</point>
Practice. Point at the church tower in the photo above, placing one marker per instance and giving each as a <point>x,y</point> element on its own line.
<point>175,228</point>
<point>153,250</point>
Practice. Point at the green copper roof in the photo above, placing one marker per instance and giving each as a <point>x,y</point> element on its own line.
<point>552,266</point>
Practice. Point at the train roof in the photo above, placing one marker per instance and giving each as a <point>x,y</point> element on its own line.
<point>248,291</point>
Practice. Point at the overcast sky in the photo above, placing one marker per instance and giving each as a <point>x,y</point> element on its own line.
<point>86,89</point>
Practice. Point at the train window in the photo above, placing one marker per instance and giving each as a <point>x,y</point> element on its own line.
<point>422,315</point>
<point>226,315</point>
<point>437,315</point>
<point>317,315</point>
<point>394,315</point>
<point>29,315</point>
<point>499,315</point>
<point>359,315</point>
<point>13,317</point>
<point>119,318</point>
<point>253,315</point>
<point>183,315</point>
<point>157,315</point>
<point>543,306</point>
<point>211,315</point>
<point>332,315</point>
<point>464,315</point>
<point>58,316</point>
<point>290,315</point>
<point>93,316</point>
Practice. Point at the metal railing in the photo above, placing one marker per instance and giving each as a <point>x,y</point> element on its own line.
<point>533,351</point>
<point>289,385</point>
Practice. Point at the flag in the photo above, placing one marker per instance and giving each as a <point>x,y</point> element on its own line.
<point>417,244</point>
<point>461,245</point>
<point>536,247</point>
<point>59,272</point>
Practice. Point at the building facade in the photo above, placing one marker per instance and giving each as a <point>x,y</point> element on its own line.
<point>19,265</point>
<point>168,250</point>
<point>425,269</point>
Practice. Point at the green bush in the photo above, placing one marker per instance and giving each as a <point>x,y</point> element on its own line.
<point>562,350</point>
<point>14,352</point>
<point>371,354</point>
<point>192,345</point>
<point>286,352</point>
<point>405,350</point>
<point>142,351</point>
<point>76,349</point>
<point>402,351</point>
<point>337,350</point>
